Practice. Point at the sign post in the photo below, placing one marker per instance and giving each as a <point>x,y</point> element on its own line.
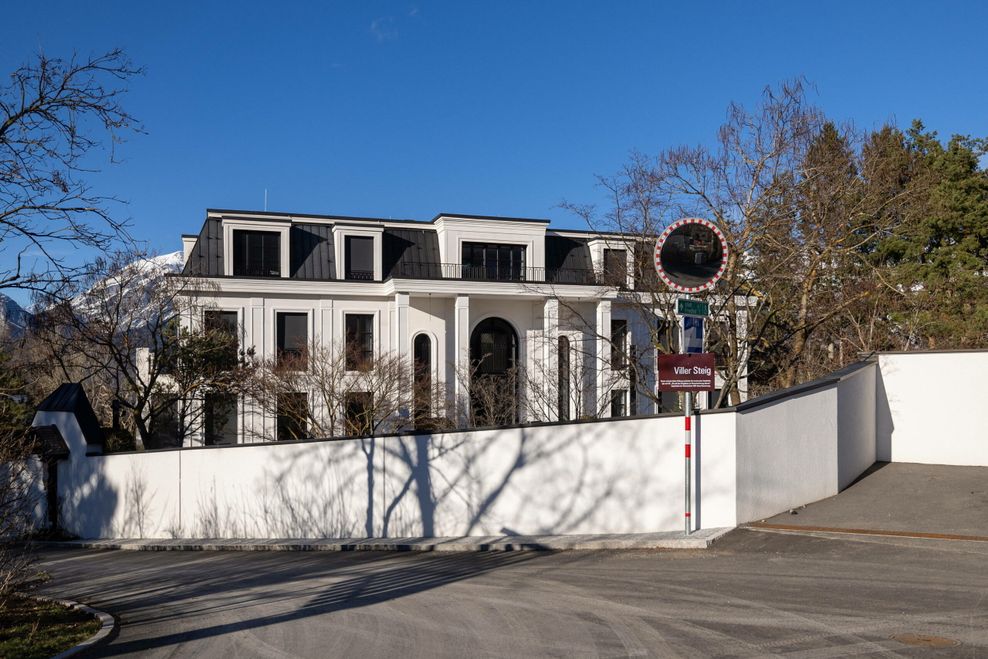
<point>690,257</point>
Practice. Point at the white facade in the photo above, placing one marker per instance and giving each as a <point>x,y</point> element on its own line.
<point>435,293</point>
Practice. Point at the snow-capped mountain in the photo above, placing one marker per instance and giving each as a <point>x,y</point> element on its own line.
<point>137,285</point>
<point>14,319</point>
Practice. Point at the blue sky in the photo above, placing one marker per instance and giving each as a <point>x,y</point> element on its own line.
<point>406,109</point>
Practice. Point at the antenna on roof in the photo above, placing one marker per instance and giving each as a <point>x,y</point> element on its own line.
<point>265,199</point>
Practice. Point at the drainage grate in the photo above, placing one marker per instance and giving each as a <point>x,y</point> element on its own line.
<point>925,640</point>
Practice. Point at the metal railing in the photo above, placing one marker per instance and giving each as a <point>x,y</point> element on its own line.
<point>494,272</point>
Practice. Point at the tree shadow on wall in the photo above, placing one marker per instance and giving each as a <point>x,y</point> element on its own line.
<point>88,502</point>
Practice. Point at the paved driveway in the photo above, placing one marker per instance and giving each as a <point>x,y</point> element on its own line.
<point>905,498</point>
<point>756,593</point>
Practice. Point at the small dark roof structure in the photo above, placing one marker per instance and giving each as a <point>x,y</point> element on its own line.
<point>49,443</point>
<point>71,397</point>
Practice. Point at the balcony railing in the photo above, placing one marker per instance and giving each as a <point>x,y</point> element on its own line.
<point>494,272</point>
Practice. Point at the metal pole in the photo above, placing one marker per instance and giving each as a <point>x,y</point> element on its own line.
<point>687,413</point>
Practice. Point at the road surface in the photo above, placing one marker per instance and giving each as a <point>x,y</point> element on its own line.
<point>755,593</point>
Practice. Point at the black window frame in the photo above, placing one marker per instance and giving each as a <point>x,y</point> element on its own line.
<point>615,268</point>
<point>291,355</point>
<point>564,368</point>
<point>493,261</point>
<point>422,377</point>
<point>363,273</point>
<point>228,322</point>
<point>256,253</point>
<point>619,343</point>
<point>288,426</point>
<point>619,403</point>
<point>226,434</point>
<point>357,404</point>
<point>359,341</point>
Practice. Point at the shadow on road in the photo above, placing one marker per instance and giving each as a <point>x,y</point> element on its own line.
<point>410,575</point>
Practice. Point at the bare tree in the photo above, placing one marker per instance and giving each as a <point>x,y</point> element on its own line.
<point>52,113</point>
<point>118,329</point>
<point>785,188</point>
<point>325,391</point>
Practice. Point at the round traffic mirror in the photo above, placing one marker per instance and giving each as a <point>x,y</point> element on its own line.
<point>691,255</point>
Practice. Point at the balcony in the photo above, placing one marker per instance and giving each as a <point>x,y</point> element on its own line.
<point>491,272</point>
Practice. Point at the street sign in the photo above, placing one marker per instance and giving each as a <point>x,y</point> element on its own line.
<point>691,255</point>
<point>687,372</point>
<point>692,334</point>
<point>687,307</point>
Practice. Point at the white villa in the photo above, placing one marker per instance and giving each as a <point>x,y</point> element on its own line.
<point>444,293</point>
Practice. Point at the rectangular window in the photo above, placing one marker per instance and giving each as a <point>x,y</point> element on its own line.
<point>616,268</point>
<point>225,326</point>
<point>220,419</point>
<point>166,427</point>
<point>485,261</point>
<point>293,416</point>
<point>359,342</point>
<point>618,400</point>
<point>293,338</point>
<point>359,417</point>
<point>256,253</point>
<point>359,258</point>
<point>619,343</point>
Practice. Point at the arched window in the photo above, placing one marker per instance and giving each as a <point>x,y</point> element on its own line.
<point>422,363</point>
<point>564,378</point>
<point>494,385</point>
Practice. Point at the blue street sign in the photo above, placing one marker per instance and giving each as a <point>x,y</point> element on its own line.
<point>693,334</point>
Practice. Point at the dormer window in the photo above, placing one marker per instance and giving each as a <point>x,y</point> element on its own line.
<point>256,253</point>
<point>493,262</point>
<point>359,258</point>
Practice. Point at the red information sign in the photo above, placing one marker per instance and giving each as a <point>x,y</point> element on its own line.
<point>687,372</point>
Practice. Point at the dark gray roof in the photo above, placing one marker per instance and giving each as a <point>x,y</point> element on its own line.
<point>206,259</point>
<point>311,249</point>
<point>411,253</point>
<point>71,397</point>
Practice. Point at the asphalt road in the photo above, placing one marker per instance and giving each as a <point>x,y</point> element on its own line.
<point>756,593</point>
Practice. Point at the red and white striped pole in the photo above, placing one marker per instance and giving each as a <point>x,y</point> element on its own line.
<point>687,417</point>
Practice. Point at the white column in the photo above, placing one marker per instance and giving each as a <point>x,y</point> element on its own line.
<point>324,325</point>
<point>253,418</point>
<point>603,359</point>
<point>550,356</point>
<point>461,354</point>
<point>399,339</point>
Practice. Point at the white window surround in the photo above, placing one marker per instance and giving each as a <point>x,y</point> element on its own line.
<point>597,247</point>
<point>453,232</point>
<point>340,234</point>
<point>281,228</point>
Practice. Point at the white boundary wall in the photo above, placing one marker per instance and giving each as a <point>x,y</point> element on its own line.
<point>933,408</point>
<point>616,476</point>
<point>608,477</point>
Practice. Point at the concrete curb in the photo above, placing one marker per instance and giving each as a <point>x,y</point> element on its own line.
<point>702,539</point>
<point>834,530</point>
<point>107,625</point>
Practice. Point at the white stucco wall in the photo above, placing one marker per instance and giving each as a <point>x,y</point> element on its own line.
<point>619,476</point>
<point>913,425</point>
<point>855,424</point>
<point>787,453</point>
